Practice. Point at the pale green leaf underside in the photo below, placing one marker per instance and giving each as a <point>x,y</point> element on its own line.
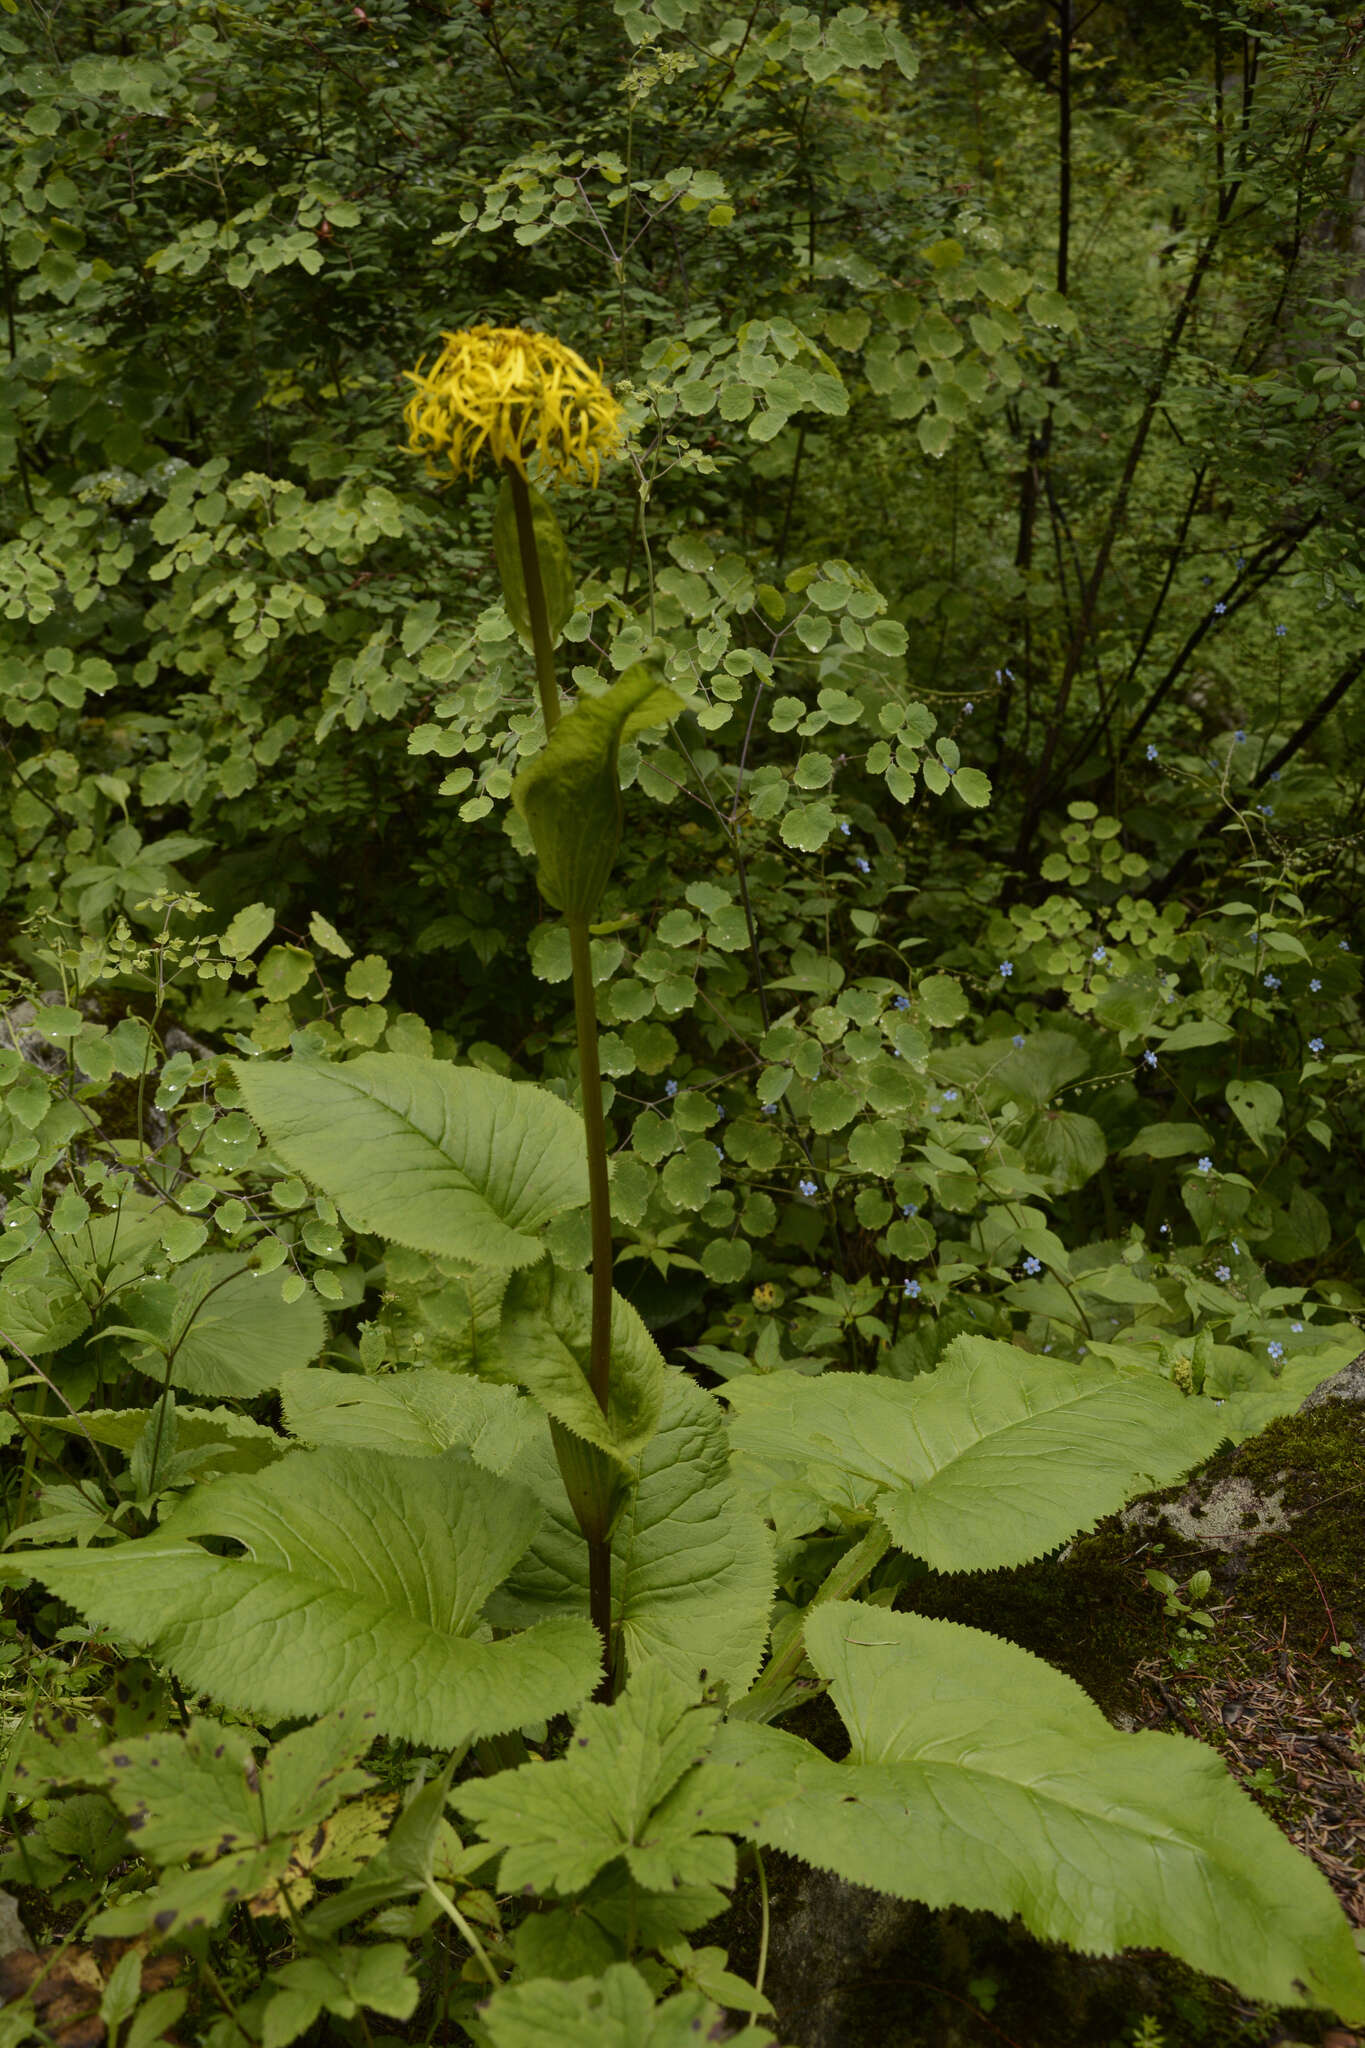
<point>410,1414</point>
<point>364,1580</point>
<point>980,1777</point>
<point>544,1342</point>
<point>692,1566</point>
<point>449,1160</point>
<point>993,1459</point>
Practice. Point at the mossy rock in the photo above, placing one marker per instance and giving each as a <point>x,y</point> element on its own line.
<point>1279,1522</point>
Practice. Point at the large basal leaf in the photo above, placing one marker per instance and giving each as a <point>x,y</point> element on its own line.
<point>363,1584</point>
<point>991,1460</point>
<point>692,1566</point>
<point>412,1414</point>
<point>544,1342</point>
<point>231,1333</point>
<point>445,1159</point>
<point>980,1777</point>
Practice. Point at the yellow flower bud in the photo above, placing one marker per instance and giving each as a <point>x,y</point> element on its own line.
<point>508,395</point>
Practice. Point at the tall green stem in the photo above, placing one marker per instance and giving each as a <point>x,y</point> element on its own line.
<point>599,1197</point>
<point>595,1132</point>
<point>586,1484</point>
<point>546,680</point>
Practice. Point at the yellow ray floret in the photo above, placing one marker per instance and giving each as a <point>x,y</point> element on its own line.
<point>507,395</point>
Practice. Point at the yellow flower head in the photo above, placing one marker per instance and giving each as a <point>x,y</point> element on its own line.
<point>509,394</point>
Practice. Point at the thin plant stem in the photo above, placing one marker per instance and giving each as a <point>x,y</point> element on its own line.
<point>764,1923</point>
<point>768,1696</point>
<point>457,1919</point>
<point>546,680</point>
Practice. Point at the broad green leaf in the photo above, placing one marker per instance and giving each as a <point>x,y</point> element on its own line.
<point>615,2010</point>
<point>552,554</point>
<point>41,1307</point>
<point>1166,1141</point>
<point>569,794</point>
<point>980,1777</point>
<point>1002,1071</point>
<point>444,1159</point>
<point>544,1343</point>
<point>1200,1031</point>
<point>363,1584</point>
<point>1067,1149</point>
<point>232,1334</point>
<point>1256,1106</point>
<point>613,1793</point>
<point>692,1570</point>
<point>238,1444</point>
<point>414,1414</point>
<point>992,1459</point>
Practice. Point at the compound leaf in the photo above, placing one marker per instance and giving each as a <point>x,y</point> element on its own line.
<point>560,1824</point>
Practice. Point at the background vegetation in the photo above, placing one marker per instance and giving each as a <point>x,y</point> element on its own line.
<point>984,951</point>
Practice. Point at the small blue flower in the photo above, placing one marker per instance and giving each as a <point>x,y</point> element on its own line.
<point>720,1113</point>
<point>670,1087</point>
<point>1099,956</point>
<point>1267,810</point>
<point>719,1153</point>
<point>1240,736</point>
<point>950,1095</point>
<point>1342,946</point>
<point>1152,754</point>
<point>1165,1230</point>
<point>1205,1166</point>
<point>1270,980</point>
<point>1206,580</point>
<point>1315,984</point>
<point>1315,1045</point>
<point>864,867</point>
<point>1280,632</point>
<point>967,710</point>
<point>935,1109</point>
<point>807,1187</point>
<point>909,1208</point>
<point>1236,1249</point>
<point>1241,561</point>
<point>1223,1273</point>
<point>1149,1058</point>
<point>1219,609</point>
<point>1275,1350</point>
<point>901,1003</point>
<point>1032,1265</point>
<point>1006,969</point>
<point>770,1109</point>
<point>1274,774</point>
<point>1297,1328</point>
<point>845,828</point>
<point>1018,1041</point>
<point>912,1290</point>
